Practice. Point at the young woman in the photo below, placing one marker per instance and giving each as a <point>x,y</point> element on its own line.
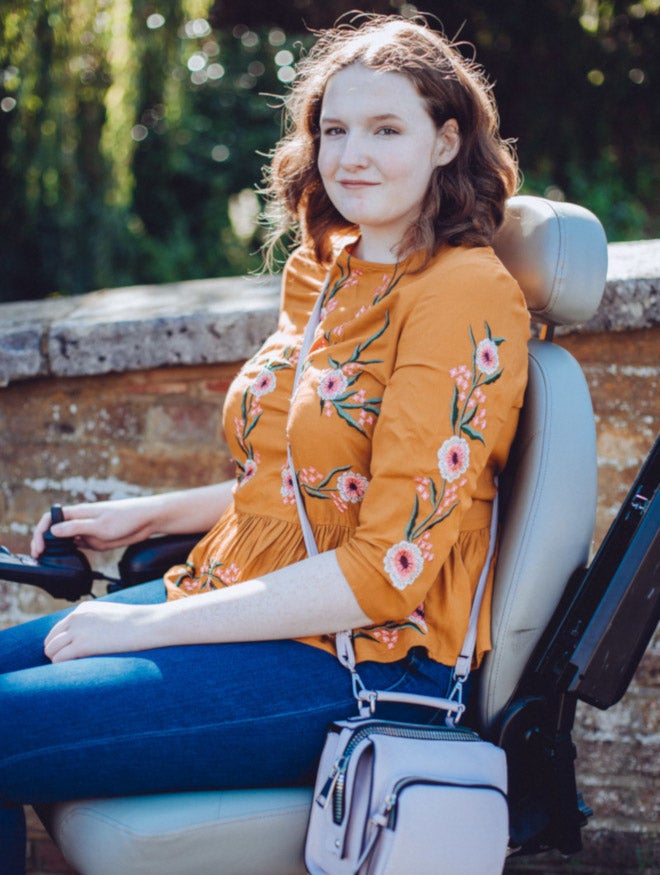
<point>396,177</point>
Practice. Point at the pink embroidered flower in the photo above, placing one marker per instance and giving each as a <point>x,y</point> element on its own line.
<point>449,498</point>
<point>264,383</point>
<point>403,562</point>
<point>230,574</point>
<point>453,458</point>
<point>389,637</point>
<point>463,377</point>
<point>426,546</point>
<point>352,486</point>
<point>310,476</point>
<point>486,357</point>
<point>287,492</point>
<point>333,384</point>
<point>328,308</point>
<point>364,418</point>
<point>248,472</point>
<point>479,420</point>
<point>339,502</point>
<point>190,585</point>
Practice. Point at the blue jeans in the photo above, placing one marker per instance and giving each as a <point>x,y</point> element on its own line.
<point>176,718</point>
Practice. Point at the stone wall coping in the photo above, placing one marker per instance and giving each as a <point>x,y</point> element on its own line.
<point>225,320</point>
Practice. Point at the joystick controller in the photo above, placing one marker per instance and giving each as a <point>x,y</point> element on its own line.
<point>62,569</point>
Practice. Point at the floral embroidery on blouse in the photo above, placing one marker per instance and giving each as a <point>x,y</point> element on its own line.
<point>433,503</point>
<point>336,386</point>
<point>349,277</point>
<point>251,410</point>
<point>388,633</point>
<point>349,486</point>
<point>211,575</point>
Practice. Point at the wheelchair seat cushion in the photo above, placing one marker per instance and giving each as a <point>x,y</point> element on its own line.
<point>183,833</point>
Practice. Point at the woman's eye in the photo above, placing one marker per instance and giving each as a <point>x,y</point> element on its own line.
<point>386,132</point>
<point>332,132</point>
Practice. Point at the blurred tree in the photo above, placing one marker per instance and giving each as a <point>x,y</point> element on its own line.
<point>132,132</point>
<point>54,176</point>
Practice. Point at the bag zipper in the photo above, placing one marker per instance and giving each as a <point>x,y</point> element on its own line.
<point>389,810</point>
<point>336,783</point>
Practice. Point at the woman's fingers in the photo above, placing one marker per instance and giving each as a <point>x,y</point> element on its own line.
<point>98,526</point>
<point>57,640</point>
<point>95,628</point>
<point>37,543</point>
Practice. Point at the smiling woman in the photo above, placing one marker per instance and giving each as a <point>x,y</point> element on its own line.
<point>393,433</point>
<point>396,77</point>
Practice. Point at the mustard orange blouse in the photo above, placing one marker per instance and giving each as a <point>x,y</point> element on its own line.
<point>405,411</point>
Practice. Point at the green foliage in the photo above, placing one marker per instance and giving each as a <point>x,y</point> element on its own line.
<point>132,132</point>
<point>120,158</point>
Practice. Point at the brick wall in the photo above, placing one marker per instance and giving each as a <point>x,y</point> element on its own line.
<point>77,438</point>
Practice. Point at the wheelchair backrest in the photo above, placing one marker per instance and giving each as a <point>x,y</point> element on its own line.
<point>558,254</point>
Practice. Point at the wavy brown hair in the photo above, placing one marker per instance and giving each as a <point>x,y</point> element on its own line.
<point>465,200</point>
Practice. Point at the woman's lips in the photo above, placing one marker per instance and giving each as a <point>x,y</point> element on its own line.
<point>355,183</point>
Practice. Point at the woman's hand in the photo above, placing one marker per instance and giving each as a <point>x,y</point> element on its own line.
<point>95,628</point>
<point>102,525</point>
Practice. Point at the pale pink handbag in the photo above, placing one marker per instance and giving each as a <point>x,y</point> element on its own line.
<point>396,798</point>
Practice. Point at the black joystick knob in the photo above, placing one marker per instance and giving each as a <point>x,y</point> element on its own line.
<point>56,514</point>
<point>55,546</point>
<point>62,570</point>
<point>67,561</point>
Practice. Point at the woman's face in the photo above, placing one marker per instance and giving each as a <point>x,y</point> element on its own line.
<point>379,148</point>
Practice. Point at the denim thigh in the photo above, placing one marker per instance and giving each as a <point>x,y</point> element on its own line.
<point>176,718</point>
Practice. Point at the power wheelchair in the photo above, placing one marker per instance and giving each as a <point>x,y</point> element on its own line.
<point>564,629</point>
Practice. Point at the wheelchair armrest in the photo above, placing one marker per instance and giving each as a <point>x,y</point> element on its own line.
<point>150,559</point>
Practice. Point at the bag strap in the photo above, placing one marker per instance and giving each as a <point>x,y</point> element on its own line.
<point>308,336</point>
<point>344,640</point>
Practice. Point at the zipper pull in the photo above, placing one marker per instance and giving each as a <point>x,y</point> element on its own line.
<point>328,788</point>
<point>389,804</point>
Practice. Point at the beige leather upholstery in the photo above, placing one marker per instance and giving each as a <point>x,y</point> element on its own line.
<point>555,456</point>
<point>558,254</point>
<point>234,832</point>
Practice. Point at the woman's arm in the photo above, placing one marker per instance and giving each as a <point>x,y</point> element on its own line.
<point>309,598</point>
<point>104,525</point>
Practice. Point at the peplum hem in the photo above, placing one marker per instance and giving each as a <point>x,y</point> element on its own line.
<point>241,545</point>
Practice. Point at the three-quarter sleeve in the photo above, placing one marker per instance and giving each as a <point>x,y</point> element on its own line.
<point>447,417</point>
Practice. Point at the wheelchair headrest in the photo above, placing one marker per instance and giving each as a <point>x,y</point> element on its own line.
<point>558,254</point>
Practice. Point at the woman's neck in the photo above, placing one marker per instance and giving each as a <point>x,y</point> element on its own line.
<point>375,250</point>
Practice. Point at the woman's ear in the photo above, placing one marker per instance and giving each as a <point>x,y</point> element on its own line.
<point>448,142</point>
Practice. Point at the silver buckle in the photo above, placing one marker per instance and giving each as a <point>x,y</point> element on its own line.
<point>456,695</point>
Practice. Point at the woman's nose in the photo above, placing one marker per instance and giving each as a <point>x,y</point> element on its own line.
<point>354,153</point>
